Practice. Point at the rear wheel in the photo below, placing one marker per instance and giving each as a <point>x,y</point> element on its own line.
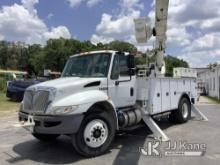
<point>183,113</point>
<point>95,135</point>
<point>45,137</point>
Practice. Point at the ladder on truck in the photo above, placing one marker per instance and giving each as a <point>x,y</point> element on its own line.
<point>157,131</point>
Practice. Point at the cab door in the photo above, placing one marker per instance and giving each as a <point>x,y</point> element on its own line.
<point>121,82</point>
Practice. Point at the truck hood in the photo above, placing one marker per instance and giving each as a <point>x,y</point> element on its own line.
<point>69,85</point>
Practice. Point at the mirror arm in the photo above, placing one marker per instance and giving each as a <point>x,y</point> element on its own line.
<point>118,82</point>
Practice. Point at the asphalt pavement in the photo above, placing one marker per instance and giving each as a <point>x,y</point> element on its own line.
<point>17,146</point>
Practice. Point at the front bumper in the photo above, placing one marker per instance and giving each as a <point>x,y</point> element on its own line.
<point>46,124</point>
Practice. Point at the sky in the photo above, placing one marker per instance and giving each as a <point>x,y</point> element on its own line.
<point>193,26</point>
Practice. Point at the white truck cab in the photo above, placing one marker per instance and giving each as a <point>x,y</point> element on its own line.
<point>99,93</point>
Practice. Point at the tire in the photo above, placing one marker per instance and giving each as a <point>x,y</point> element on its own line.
<point>95,134</point>
<point>183,113</point>
<point>45,137</point>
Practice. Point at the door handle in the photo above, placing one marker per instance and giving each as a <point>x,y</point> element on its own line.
<point>131,91</point>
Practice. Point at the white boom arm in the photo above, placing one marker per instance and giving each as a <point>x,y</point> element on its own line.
<point>143,31</point>
<point>160,31</point>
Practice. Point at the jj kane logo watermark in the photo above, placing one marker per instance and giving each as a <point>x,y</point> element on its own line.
<point>175,148</point>
<point>151,149</point>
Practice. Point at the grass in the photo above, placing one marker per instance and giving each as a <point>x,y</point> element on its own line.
<point>2,85</point>
<point>7,106</point>
<point>214,99</point>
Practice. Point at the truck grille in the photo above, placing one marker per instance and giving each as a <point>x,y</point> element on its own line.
<point>35,100</point>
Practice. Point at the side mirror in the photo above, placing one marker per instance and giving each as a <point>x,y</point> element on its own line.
<point>131,61</point>
<point>131,64</point>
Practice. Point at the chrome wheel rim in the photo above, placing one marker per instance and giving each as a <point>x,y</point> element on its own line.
<point>185,110</point>
<point>96,133</point>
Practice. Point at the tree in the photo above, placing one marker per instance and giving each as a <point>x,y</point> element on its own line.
<point>173,62</point>
<point>170,62</point>
<point>121,46</point>
<point>3,54</point>
<point>212,65</point>
<point>35,58</point>
<point>37,62</point>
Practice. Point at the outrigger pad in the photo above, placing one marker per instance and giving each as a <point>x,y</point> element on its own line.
<point>198,113</point>
<point>157,132</point>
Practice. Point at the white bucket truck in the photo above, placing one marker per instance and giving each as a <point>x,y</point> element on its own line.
<point>101,92</point>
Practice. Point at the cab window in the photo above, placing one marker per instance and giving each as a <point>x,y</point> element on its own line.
<point>120,66</point>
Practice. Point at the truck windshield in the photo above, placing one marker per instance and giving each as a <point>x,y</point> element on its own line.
<point>92,65</point>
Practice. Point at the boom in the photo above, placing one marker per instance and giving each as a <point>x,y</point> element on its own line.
<point>143,32</point>
<point>160,31</point>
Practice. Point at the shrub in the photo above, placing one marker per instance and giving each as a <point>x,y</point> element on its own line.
<point>3,85</point>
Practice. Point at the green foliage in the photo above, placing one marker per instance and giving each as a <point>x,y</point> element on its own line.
<point>12,56</point>
<point>212,65</point>
<point>170,61</point>
<point>121,46</point>
<point>35,58</point>
<point>3,54</point>
<point>140,60</point>
<point>173,62</point>
<point>214,99</point>
<point>3,85</point>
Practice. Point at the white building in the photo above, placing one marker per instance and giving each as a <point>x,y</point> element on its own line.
<point>211,80</point>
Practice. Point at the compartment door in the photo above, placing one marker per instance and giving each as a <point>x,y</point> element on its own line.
<point>165,86</point>
<point>155,96</point>
<point>193,89</point>
<point>174,94</point>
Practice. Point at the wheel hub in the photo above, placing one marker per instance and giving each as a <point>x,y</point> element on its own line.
<point>185,110</point>
<point>95,133</point>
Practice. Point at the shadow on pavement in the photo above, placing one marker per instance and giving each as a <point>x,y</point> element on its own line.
<point>130,142</point>
<point>128,145</point>
<point>62,151</point>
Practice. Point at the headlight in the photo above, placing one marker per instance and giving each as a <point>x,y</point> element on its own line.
<point>63,110</point>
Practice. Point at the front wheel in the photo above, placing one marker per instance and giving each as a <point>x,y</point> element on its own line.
<point>95,135</point>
